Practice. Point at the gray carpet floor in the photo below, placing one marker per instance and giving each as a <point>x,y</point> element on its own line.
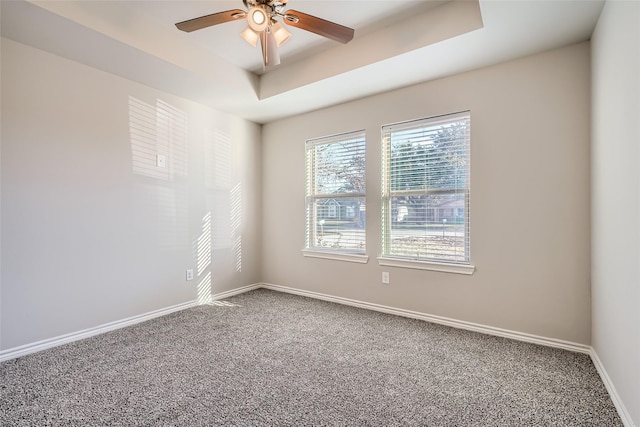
<point>267,358</point>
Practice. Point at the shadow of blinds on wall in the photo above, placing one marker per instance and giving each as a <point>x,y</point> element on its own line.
<point>159,137</point>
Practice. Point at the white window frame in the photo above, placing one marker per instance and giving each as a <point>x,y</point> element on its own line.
<point>388,257</point>
<point>312,197</point>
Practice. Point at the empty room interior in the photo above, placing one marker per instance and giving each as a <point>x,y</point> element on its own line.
<point>437,169</point>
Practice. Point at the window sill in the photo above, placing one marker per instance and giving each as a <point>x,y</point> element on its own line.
<point>338,256</point>
<point>427,265</point>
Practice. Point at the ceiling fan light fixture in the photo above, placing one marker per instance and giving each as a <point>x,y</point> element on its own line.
<point>258,18</point>
<point>280,33</point>
<point>262,25</point>
<point>250,36</point>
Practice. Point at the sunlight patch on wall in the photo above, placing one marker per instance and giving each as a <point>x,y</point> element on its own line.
<point>204,289</point>
<point>218,178</point>
<point>142,130</point>
<point>203,261</point>
<point>224,199</point>
<point>237,253</point>
<point>171,125</point>
<point>236,222</point>
<point>217,159</point>
<point>159,136</point>
<point>203,245</point>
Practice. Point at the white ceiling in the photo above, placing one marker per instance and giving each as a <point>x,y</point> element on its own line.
<point>396,43</point>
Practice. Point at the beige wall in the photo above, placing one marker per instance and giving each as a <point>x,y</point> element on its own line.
<point>616,199</point>
<point>92,230</point>
<point>529,203</point>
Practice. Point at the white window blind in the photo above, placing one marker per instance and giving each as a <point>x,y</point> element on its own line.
<point>425,189</point>
<point>335,193</point>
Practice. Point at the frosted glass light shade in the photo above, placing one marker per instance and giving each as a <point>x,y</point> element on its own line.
<point>280,33</point>
<point>250,36</point>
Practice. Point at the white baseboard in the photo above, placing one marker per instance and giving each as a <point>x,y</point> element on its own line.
<point>63,339</point>
<point>23,350</point>
<point>620,407</point>
<point>460,324</point>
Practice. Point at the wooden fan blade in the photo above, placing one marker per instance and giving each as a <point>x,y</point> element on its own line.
<point>209,20</point>
<point>320,26</point>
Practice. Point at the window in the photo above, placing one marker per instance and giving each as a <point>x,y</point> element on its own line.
<point>425,190</point>
<point>335,194</point>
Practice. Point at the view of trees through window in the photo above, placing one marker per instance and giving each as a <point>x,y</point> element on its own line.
<point>336,212</point>
<point>426,189</point>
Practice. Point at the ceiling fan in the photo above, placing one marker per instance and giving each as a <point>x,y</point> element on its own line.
<point>261,16</point>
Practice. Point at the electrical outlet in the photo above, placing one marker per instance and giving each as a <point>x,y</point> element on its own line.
<point>385,277</point>
<point>190,274</point>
